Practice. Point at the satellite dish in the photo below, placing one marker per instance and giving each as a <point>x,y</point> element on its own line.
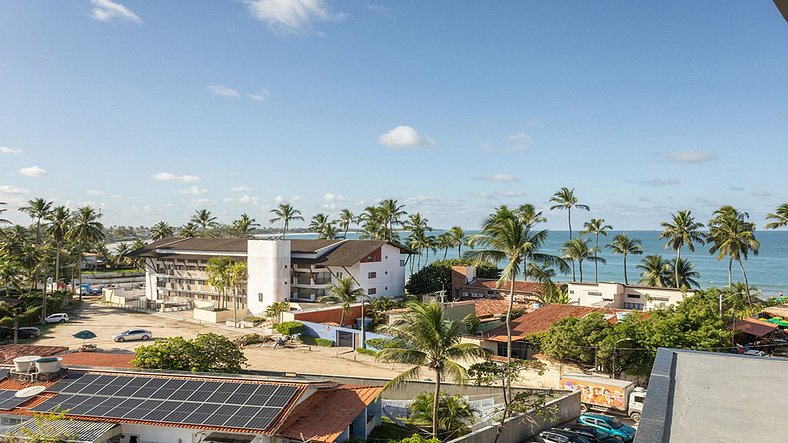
<point>29,392</point>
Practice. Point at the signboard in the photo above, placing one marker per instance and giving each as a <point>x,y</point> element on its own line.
<point>597,394</point>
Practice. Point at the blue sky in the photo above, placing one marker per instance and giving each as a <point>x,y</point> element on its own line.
<point>150,109</point>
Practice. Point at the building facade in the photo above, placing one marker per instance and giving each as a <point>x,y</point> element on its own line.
<point>621,296</point>
<point>278,270</point>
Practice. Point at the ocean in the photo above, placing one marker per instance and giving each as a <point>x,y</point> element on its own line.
<point>768,271</point>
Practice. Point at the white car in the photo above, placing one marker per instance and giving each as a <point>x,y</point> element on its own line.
<point>60,317</point>
<point>133,334</point>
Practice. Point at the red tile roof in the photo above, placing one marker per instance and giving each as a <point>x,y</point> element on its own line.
<point>100,359</point>
<point>754,327</point>
<point>487,307</point>
<point>541,319</point>
<point>520,287</point>
<point>324,415</point>
<point>9,352</point>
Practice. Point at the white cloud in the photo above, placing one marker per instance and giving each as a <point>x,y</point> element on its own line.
<point>149,208</point>
<point>498,177</point>
<point>761,193</point>
<point>482,194</point>
<point>193,190</point>
<point>33,171</point>
<point>286,17</point>
<point>12,190</point>
<point>94,192</point>
<point>116,196</point>
<point>278,199</point>
<point>510,194</point>
<point>660,182</point>
<point>688,156</point>
<point>170,177</point>
<point>404,136</point>
<point>223,91</point>
<point>7,150</point>
<point>331,197</point>
<point>261,96</point>
<point>204,202</point>
<point>244,200</point>
<point>242,189</point>
<point>107,10</point>
<point>520,141</point>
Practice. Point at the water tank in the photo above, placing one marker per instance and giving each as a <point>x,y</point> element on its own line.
<point>26,363</point>
<point>48,365</point>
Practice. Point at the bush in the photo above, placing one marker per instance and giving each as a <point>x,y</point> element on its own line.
<point>365,351</point>
<point>290,328</point>
<point>416,438</point>
<point>255,320</point>
<point>250,339</point>
<point>206,353</point>
<point>316,341</point>
<point>382,343</point>
<point>437,276</point>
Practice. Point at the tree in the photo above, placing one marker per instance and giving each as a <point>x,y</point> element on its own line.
<point>656,271</point>
<point>732,235</point>
<point>244,226</point>
<point>319,222</point>
<point>219,271</point>
<point>203,219</point>
<point>444,241</point>
<point>623,245</point>
<point>37,208</point>
<point>780,217</point>
<point>2,220</point>
<point>455,414</point>
<point>682,231</point>
<point>206,353</point>
<point>161,230</point>
<point>120,257</point>
<point>432,342</point>
<point>345,292</point>
<point>579,249</point>
<point>86,229</point>
<point>346,218</point>
<point>275,310</point>
<point>458,237</point>
<point>565,199</point>
<point>10,275</point>
<point>437,276</point>
<point>504,236</point>
<point>597,227</point>
<point>392,212</point>
<point>285,213</point>
<point>238,275</point>
<point>373,225</point>
<point>189,230</point>
<point>686,273</point>
<point>59,224</point>
<point>551,292</point>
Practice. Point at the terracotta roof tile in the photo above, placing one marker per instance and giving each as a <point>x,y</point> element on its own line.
<point>520,287</point>
<point>9,352</point>
<point>324,415</point>
<point>100,359</point>
<point>540,320</point>
<point>486,307</point>
<point>754,327</point>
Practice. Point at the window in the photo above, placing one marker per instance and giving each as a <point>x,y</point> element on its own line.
<point>594,293</point>
<point>372,291</point>
<point>633,295</point>
<point>372,274</point>
<point>260,299</point>
<point>636,306</point>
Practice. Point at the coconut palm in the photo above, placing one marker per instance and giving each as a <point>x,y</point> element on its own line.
<point>656,271</point>
<point>161,230</point>
<point>203,219</point>
<point>780,217</point>
<point>319,222</point>
<point>732,235</point>
<point>428,243</point>
<point>565,199</point>
<point>432,342</point>
<point>682,231</point>
<point>13,239</point>
<point>455,413</point>
<point>551,292</point>
<point>37,209</point>
<point>10,275</point>
<point>238,275</point>
<point>346,218</point>
<point>189,230</point>
<point>2,220</point>
<point>345,292</point>
<point>392,213</point>
<point>623,245</point>
<point>220,275</point>
<point>285,213</point>
<point>444,241</point>
<point>579,249</point>
<point>120,257</point>
<point>597,227</point>
<point>244,226</point>
<point>275,311</point>
<point>528,214</point>
<point>86,229</point>
<point>59,223</point>
<point>458,237</point>
<point>505,237</point>
<point>686,272</point>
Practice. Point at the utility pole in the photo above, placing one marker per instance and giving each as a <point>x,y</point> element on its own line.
<point>363,323</point>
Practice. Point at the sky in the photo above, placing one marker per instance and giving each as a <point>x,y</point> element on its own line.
<point>150,110</point>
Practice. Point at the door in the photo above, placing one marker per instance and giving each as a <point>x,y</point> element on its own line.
<point>345,339</point>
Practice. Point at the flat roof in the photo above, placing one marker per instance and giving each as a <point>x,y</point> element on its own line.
<point>710,396</point>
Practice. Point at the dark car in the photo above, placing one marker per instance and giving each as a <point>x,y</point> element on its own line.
<point>560,436</point>
<point>592,434</point>
<point>6,332</point>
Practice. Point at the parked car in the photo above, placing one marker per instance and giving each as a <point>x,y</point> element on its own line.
<point>8,333</point>
<point>609,425</point>
<point>560,436</point>
<point>31,330</point>
<point>133,334</point>
<point>757,352</point>
<point>60,317</point>
<point>592,434</point>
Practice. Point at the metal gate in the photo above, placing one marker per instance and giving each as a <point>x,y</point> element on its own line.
<point>345,339</point>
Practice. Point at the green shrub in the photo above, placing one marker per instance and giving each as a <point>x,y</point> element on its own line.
<point>316,341</point>
<point>255,320</point>
<point>290,328</point>
<point>416,438</point>
<point>381,343</point>
<point>250,339</point>
<point>366,351</point>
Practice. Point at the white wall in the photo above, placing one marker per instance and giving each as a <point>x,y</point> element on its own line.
<point>615,295</point>
<point>389,278</point>
<point>165,434</point>
<point>269,273</point>
<point>150,279</point>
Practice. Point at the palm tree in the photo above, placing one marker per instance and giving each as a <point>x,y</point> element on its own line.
<point>238,274</point>
<point>392,212</point>
<point>85,230</point>
<point>203,219</point>
<point>579,249</point>
<point>189,230</point>
<point>430,341</point>
<point>597,227</point>
<point>10,275</point>
<point>220,276</point>
<point>551,293</point>
<point>780,217</point>
<point>623,245</point>
<point>37,209</point>
<point>57,228</point>
<point>329,232</point>
<point>686,272</point>
<point>319,222</point>
<point>565,199</point>
<point>275,310</point>
<point>343,291</point>
<point>656,271</point>
<point>682,231</point>
<point>346,218</point>
<point>455,413</point>
<point>285,213</point>
<point>732,235</point>
<point>444,241</point>
<point>161,230</point>
<point>120,257</point>
<point>505,237</point>
<point>428,243</point>
<point>245,225</point>
<point>2,220</point>
<point>458,237</point>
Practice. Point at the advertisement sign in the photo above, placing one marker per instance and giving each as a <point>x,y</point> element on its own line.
<point>597,394</point>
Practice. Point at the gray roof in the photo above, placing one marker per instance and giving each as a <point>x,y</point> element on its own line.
<point>710,396</point>
<point>71,431</point>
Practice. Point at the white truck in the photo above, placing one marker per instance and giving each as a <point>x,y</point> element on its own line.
<point>607,395</point>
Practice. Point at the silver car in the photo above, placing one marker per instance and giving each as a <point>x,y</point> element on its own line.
<point>133,334</point>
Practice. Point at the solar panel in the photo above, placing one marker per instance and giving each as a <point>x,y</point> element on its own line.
<point>4,373</point>
<point>8,400</point>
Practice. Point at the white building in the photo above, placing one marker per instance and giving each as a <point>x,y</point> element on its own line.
<point>621,296</point>
<point>279,270</point>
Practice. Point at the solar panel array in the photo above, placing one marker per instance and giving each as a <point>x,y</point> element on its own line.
<point>8,400</point>
<point>4,373</point>
<point>195,402</point>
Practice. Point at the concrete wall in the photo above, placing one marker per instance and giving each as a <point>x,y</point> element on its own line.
<point>211,316</point>
<point>618,296</point>
<point>164,434</point>
<point>269,273</point>
<point>524,427</point>
<point>331,332</point>
<point>119,296</point>
<point>329,314</point>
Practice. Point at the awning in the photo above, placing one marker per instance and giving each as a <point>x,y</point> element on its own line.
<point>70,431</point>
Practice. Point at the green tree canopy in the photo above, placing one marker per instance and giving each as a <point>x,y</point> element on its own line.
<point>206,353</point>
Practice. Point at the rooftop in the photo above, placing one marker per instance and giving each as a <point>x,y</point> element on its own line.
<point>754,327</point>
<point>541,319</point>
<point>9,352</point>
<point>98,359</point>
<point>520,286</point>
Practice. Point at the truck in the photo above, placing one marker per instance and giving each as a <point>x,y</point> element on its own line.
<point>619,397</point>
